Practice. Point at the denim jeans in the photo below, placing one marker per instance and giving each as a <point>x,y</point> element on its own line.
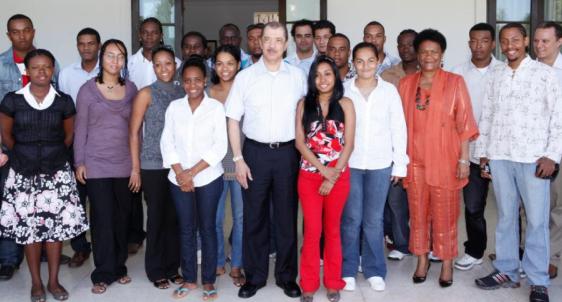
<point>237,213</point>
<point>198,210</point>
<point>11,253</point>
<point>365,208</point>
<point>513,181</point>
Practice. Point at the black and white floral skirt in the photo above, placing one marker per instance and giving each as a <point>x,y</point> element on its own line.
<point>43,208</point>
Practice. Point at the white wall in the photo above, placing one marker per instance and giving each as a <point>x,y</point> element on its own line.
<point>58,21</point>
<point>453,18</point>
<point>207,16</point>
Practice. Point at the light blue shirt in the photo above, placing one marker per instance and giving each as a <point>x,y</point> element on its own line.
<point>72,77</point>
<point>388,62</point>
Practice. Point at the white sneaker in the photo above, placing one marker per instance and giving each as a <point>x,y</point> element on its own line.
<point>349,284</point>
<point>396,255</point>
<point>466,262</point>
<point>433,258</point>
<point>377,283</point>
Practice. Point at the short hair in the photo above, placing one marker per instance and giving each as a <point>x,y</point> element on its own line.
<point>89,31</point>
<point>229,26</point>
<point>276,25</point>
<point>374,23</point>
<point>515,25</point>
<point>551,24</point>
<point>364,45</point>
<point>18,17</point>
<point>300,23</point>
<point>340,35</point>
<point>484,27</point>
<point>152,20</point>
<point>195,61</point>
<point>194,34</point>
<point>407,31</point>
<point>229,49</point>
<point>251,27</point>
<point>164,48</point>
<point>121,46</point>
<point>430,35</point>
<point>36,53</point>
<point>321,24</point>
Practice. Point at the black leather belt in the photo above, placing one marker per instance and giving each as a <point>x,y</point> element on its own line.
<point>275,145</point>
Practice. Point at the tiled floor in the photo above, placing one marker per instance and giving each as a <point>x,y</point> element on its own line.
<point>399,284</point>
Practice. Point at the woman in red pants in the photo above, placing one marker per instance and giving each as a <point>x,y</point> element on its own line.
<point>325,127</point>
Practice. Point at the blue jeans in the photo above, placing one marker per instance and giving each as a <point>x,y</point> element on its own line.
<point>11,253</point>
<point>512,181</point>
<point>365,208</point>
<point>237,214</point>
<point>198,210</point>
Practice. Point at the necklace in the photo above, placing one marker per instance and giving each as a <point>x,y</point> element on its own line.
<point>419,104</point>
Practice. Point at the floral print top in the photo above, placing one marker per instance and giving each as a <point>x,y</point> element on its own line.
<point>325,139</point>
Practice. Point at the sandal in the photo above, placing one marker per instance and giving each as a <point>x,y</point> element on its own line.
<point>59,294</point>
<point>124,280</point>
<point>220,271</point>
<point>39,298</point>
<point>237,279</point>
<point>99,288</point>
<point>161,284</point>
<point>181,292</point>
<point>176,279</point>
<point>210,294</point>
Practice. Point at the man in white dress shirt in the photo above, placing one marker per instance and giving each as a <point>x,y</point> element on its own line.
<point>546,43</point>
<point>266,94</point>
<point>304,41</point>
<point>521,138</point>
<point>476,73</point>
<point>71,78</point>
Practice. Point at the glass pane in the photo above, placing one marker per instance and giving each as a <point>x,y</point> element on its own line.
<point>169,35</point>
<point>553,10</point>
<point>303,9</point>
<point>513,10</point>
<point>498,51</point>
<point>163,10</point>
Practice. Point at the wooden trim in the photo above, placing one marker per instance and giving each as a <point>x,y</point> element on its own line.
<point>491,12</point>
<point>283,11</point>
<point>135,19</point>
<point>178,11</point>
<point>323,9</point>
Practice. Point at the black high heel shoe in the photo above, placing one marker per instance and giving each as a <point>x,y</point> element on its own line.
<point>421,279</point>
<point>446,283</point>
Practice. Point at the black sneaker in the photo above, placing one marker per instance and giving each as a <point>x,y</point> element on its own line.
<point>538,294</point>
<point>496,280</point>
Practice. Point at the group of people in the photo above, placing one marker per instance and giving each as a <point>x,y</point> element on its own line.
<point>376,149</point>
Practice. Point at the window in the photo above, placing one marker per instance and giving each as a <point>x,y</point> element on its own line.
<point>167,11</point>
<point>530,13</point>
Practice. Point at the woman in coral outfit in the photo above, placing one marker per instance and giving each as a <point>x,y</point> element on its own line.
<point>440,124</point>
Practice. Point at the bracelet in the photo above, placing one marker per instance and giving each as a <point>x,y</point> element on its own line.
<point>237,158</point>
<point>464,162</point>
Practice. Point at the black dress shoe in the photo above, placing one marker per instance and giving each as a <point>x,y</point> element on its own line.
<point>290,288</point>
<point>7,272</point>
<point>249,290</point>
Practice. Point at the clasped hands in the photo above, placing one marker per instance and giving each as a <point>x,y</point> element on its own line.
<point>331,175</point>
<point>185,181</point>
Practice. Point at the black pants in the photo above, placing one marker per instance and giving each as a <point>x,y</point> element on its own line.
<point>136,233</point>
<point>80,243</point>
<point>398,212</point>
<point>275,173</point>
<point>474,195</point>
<point>162,258</point>
<point>110,209</point>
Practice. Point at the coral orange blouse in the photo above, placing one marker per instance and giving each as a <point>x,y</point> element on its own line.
<point>448,122</point>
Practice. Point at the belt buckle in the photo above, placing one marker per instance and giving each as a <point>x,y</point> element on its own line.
<point>274,145</point>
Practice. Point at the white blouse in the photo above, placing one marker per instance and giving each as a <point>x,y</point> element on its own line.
<point>189,137</point>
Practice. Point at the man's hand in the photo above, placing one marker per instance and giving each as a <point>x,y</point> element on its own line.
<point>243,173</point>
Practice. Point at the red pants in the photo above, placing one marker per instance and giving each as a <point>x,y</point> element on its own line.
<point>321,213</point>
<point>432,210</point>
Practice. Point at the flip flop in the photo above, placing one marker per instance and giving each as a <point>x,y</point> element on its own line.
<point>209,294</point>
<point>161,284</point>
<point>238,279</point>
<point>59,294</point>
<point>99,288</point>
<point>176,279</point>
<point>181,292</point>
<point>124,280</point>
<point>39,298</point>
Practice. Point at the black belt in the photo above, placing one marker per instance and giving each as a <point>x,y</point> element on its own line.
<point>275,145</point>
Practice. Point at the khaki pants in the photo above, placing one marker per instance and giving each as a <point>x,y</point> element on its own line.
<point>556,220</point>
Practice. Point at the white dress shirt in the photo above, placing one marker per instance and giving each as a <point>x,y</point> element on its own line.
<point>267,100</point>
<point>380,131</point>
<point>189,137</point>
<point>521,117</point>
<point>303,64</point>
<point>141,71</point>
<point>73,77</point>
<point>30,99</point>
<point>476,80</point>
<point>558,68</point>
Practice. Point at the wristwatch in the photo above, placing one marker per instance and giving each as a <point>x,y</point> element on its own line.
<point>237,158</point>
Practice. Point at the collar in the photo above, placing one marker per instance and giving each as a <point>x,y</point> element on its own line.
<point>139,57</point>
<point>523,63</point>
<point>558,62</point>
<point>260,66</point>
<point>311,58</point>
<point>354,87</point>
<point>493,62</point>
<point>49,98</point>
<point>78,66</point>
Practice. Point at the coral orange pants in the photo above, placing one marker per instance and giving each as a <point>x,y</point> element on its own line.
<point>321,213</point>
<point>432,210</point>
